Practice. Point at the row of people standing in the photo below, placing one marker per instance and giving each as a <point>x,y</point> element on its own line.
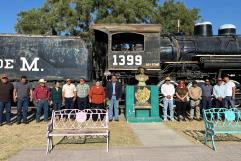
<point>222,94</point>
<point>83,95</point>
<point>95,97</point>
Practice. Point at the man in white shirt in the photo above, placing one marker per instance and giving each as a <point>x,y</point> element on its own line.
<point>69,94</point>
<point>168,92</point>
<point>229,100</point>
<point>219,91</point>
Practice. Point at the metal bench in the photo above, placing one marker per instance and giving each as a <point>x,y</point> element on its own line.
<point>88,122</point>
<point>221,121</point>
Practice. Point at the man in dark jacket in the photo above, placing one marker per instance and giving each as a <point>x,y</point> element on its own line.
<point>113,94</point>
<point>6,96</point>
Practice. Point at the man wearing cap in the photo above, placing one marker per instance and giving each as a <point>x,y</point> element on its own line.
<point>82,94</point>
<point>22,95</point>
<point>6,96</point>
<point>168,91</point>
<point>219,93</point>
<point>195,94</point>
<point>230,92</point>
<point>69,94</point>
<point>41,96</point>
<point>207,91</point>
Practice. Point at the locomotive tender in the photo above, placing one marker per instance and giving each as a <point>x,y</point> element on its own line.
<point>48,57</point>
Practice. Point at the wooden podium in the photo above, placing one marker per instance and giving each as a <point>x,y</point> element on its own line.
<point>146,112</point>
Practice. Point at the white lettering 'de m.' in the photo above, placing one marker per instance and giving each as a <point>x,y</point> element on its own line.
<point>9,63</point>
<point>32,67</point>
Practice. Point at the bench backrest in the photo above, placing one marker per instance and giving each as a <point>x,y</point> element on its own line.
<point>80,119</point>
<point>222,117</point>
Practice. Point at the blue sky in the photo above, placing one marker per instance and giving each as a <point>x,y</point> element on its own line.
<point>217,11</point>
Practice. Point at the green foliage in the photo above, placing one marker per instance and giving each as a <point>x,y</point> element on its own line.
<point>126,11</point>
<point>31,22</point>
<point>73,17</point>
<point>170,12</point>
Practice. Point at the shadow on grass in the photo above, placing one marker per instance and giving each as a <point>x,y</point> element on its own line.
<point>82,140</point>
<point>200,134</point>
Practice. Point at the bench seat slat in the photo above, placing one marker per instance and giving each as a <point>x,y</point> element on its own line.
<point>94,131</point>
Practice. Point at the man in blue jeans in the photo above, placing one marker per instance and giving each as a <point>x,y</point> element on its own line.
<point>230,88</point>
<point>41,96</point>
<point>22,95</point>
<point>168,91</point>
<point>113,94</point>
<point>6,95</point>
<point>207,92</point>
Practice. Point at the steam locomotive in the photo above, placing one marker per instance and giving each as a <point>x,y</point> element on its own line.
<point>125,47</point>
<point>121,49</point>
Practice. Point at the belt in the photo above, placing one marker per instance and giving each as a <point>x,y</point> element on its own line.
<point>43,99</point>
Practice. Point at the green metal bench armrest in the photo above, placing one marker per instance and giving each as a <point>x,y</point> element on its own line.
<point>209,124</point>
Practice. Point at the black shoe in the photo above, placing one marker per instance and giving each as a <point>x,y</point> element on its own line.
<point>117,120</point>
<point>25,122</point>
<point>184,119</point>
<point>199,119</point>
<point>18,123</point>
<point>110,120</point>
<point>1,124</point>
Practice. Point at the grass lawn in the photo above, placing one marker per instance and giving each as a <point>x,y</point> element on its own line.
<point>195,130</point>
<point>18,137</point>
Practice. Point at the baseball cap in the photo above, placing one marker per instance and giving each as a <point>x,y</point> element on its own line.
<point>219,79</point>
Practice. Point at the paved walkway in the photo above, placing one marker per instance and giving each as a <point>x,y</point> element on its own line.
<point>158,135</point>
<point>174,153</point>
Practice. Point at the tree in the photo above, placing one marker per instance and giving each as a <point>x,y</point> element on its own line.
<point>73,17</point>
<point>126,11</point>
<point>69,17</point>
<point>170,12</point>
<point>31,22</point>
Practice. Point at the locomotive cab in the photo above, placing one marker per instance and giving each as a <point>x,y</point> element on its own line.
<point>126,47</point>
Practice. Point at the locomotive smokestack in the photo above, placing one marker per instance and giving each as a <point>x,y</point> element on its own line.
<point>227,29</point>
<point>203,29</point>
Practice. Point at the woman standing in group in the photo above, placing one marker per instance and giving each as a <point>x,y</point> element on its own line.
<point>181,100</point>
<point>97,95</point>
